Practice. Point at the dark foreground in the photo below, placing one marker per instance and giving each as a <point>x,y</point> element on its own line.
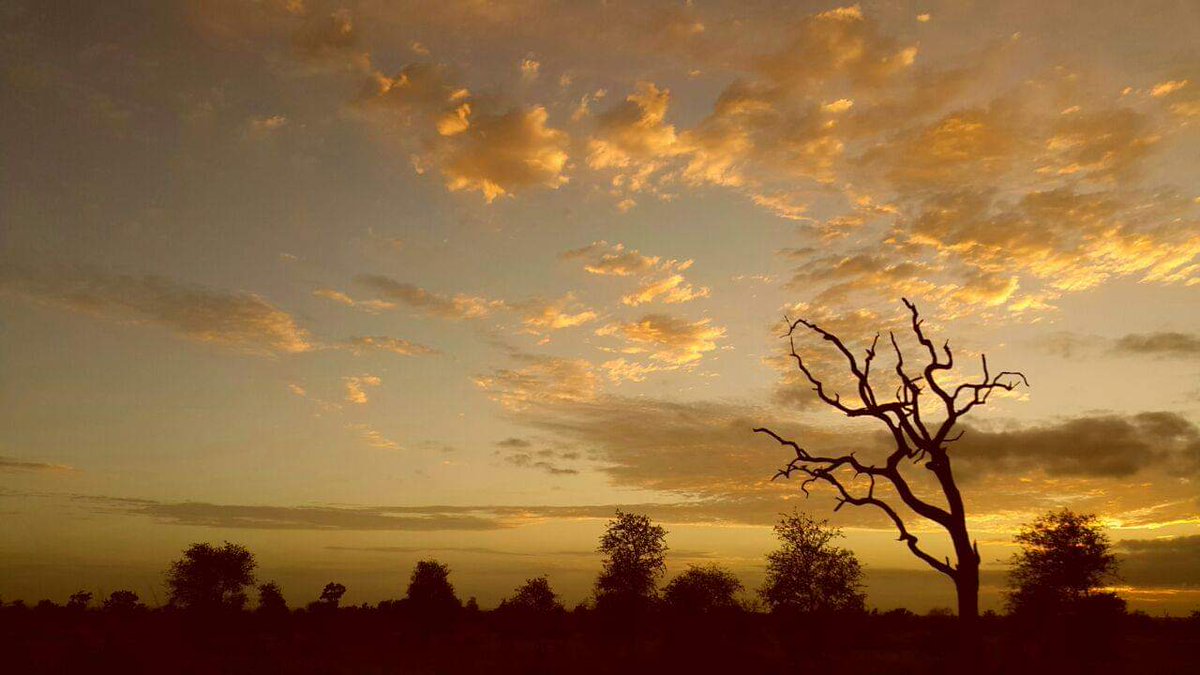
<point>376,641</point>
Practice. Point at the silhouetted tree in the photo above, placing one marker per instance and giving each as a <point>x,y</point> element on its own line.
<point>1065,558</point>
<point>208,577</point>
<point>634,550</point>
<point>331,595</point>
<point>703,590</point>
<point>122,601</point>
<point>430,591</point>
<point>922,436</point>
<point>270,599</point>
<point>533,596</point>
<point>79,600</point>
<point>807,573</point>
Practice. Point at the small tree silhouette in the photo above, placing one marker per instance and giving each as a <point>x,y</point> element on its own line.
<point>211,578</point>
<point>635,551</point>
<point>1065,558</point>
<point>430,591</point>
<point>331,595</point>
<point>270,599</point>
<point>79,600</point>
<point>809,574</point>
<point>922,435</point>
<point>533,597</point>
<point>703,590</point>
<point>122,601</point>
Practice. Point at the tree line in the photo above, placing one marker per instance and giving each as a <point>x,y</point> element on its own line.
<point>1062,568</point>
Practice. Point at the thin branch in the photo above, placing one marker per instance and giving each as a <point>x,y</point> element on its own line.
<point>844,497</point>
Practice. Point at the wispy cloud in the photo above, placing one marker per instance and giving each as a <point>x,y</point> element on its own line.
<point>232,319</point>
<point>392,345</point>
<point>12,464</point>
<point>459,306</point>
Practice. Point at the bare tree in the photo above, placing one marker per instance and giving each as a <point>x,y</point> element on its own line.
<point>922,436</point>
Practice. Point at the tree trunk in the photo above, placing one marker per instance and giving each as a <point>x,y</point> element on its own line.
<point>967,584</point>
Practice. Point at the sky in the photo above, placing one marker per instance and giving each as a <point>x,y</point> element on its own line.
<point>360,283</point>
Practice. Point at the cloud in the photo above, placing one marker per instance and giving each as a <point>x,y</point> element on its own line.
<point>476,149</point>
<point>1059,241</point>
<point>1167,88</point>
<point>225,516</point>
<point>393,345</point>
<point>669,339</point>
<point>371,306</point>
<point>1064,344</point>
<point>459,306</point>
<point>1000,205</point>
<point>373,437</point>
<point>549,315</point>
<point>624,370</point>
<point>421,95</point>
<point>12,464</point>
<point>542,380</point>
<point>530,69</point>
<point>520,452</point>
<point>261,127</point>
<point>499,154</point>
<point>633,132</point>
<point>1169,562</point>
<point>1105,445</point>
<point>356,387</point>
<point>840,43</point>
<point>606,259</point>
<point>668,290</point>
<point>534,461</point>
<point>1159,344</point>
<point>658,279</point>
<point>235,320</point>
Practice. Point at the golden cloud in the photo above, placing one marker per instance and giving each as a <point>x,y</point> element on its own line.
<point>551,315</point>
<point>356,387</point>
<point>659,280</point>
<point>669,339</point>
<point>499,154</point>
<point>669,290</point>
<point>393,345</point>
<point>612,259</point>
<point>343,299</point>
<point>542,380</point>
<point>493,153</point>
<point>633,131</point>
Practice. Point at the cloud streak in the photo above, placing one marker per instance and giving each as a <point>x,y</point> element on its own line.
<point>235,320</point>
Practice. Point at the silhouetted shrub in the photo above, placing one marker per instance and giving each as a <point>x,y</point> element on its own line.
<point>430,593</point>
<point>703,590</point>
<point>123,602</point>
<point>270,599</point>
<point>79,600</point>
<point>807,573</point>
<point>1064,558</point>
<point>211,578</point>
<point>330,599</point>
<point>532,597</point>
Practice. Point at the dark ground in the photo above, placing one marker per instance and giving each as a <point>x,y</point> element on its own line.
<point>59,640</point>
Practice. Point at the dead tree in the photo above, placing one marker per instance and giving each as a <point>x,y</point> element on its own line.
<point>922,438</point>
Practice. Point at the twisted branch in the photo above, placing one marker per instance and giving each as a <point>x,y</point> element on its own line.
<point>913,438</point>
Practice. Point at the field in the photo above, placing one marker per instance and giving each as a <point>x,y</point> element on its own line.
<point>364,640</point>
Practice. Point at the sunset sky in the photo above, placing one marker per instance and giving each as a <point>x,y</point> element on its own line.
<point>357,283</point>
